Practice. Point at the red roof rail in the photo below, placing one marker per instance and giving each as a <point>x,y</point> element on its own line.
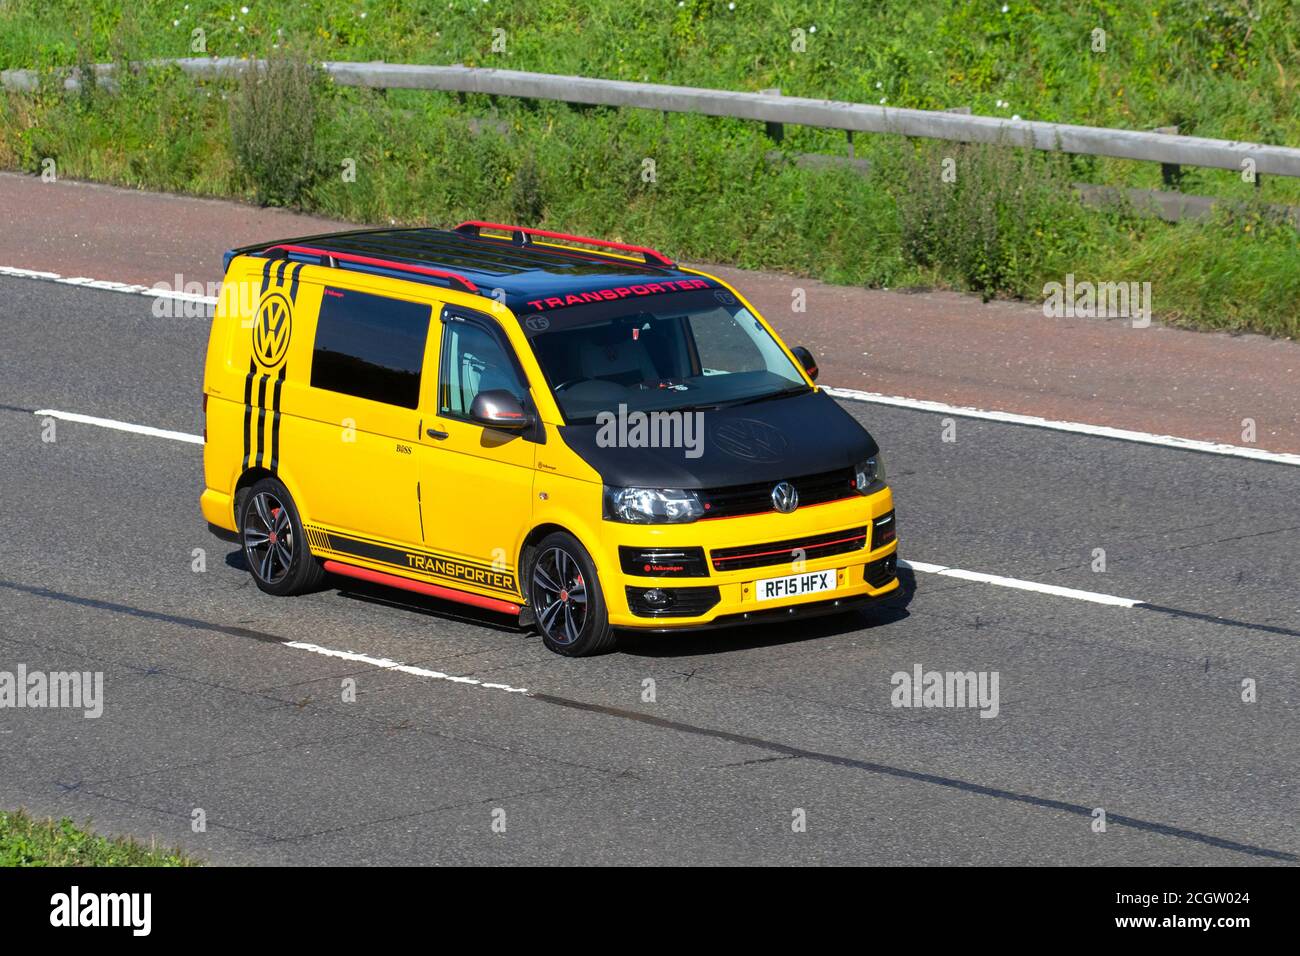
<point>520,235</point>
<point>330,257</point>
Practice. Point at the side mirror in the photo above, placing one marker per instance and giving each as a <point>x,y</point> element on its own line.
<point>806,360</point>
<point>497,408</point>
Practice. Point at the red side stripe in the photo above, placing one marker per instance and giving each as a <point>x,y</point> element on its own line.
<point>761,554</point>
<point>420,587</point>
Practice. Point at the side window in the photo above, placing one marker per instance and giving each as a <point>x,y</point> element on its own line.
<point>370,346</point>
<point>474,360</point>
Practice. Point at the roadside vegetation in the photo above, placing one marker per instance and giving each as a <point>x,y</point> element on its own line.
<point>25,841</point>
<point>711,189</point>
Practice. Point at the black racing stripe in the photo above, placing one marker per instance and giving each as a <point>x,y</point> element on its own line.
<point>248,412</point>
<point>248,382</point>
<point>261,418</point>
<point>293,282</point>
<point>275,417</point>
<point>362,539</point>
<point>394,557</point>
<point>279,273</point>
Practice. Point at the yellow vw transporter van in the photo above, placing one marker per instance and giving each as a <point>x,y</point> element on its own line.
<point>579,433</point>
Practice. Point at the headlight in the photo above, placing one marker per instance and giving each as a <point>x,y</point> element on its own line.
<point>869,475</point>
<point>652,505</point>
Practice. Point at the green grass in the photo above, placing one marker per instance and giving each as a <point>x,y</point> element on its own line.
<point>28,842</point>
<point>1210,68</point>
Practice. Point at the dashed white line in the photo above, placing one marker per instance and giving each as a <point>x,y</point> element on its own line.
<point>1019,584</point>
<point>921,566</point>
<point>107,285</point>
<point>120,426</point>
<point>1097,431</point>
<point>850,394</point>
<point>401,668</point>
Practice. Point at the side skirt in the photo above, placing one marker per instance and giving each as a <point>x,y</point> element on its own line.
<point>421,587</point>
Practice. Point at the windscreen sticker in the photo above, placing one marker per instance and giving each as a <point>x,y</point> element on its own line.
<point>618,292</point>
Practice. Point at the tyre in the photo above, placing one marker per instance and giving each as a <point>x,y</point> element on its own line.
<point>275,547</point>
<point>566,598</point>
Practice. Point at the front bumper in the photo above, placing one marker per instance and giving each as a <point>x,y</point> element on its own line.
<point>859,577</point>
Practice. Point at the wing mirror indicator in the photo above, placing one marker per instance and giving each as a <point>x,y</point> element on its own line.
<point>497,408</point>
<point>806,359</point>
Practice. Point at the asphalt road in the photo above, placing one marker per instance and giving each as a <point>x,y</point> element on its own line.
<point>1134,710</point>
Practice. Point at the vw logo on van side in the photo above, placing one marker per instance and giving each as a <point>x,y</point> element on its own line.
<point>785,497</point>
<point>271,330</point>
<point>750,440</point>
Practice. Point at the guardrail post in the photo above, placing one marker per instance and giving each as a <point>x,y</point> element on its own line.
<point>775,131</point>
<point>1170,173</point>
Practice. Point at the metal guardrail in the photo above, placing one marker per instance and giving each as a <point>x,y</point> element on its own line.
<point>769,108</point>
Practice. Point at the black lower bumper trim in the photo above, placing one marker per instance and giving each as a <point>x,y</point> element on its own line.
<point>795,612</point>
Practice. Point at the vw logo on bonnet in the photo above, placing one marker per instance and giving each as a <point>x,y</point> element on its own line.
<point>750,440</point>
<point>785,497</point>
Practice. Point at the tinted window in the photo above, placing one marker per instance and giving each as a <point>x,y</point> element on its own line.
<point>473,360</point>
<point>672,351</point>
<point>370,346</point>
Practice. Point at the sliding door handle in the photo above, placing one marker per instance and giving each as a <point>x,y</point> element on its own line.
<point>435,433</point>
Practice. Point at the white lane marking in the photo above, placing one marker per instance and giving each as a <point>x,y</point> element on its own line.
<point>1019,584</point>
<point>922,566</point>
<point>390,665</point>
<point>107,285</point>
<point>1097,431</point>
<point>851,394</point>
<point>120,426</point>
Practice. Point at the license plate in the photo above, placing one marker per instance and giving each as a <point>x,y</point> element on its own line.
<point>795,585</point>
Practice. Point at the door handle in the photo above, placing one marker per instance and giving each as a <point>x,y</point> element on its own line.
<point>434,433</point>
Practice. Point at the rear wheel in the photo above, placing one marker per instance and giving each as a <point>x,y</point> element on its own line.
<point>566,598</point>
<point>275,546</point>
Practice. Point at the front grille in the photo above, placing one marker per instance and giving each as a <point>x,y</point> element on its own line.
<point>879,573</point>
<point>675,602</point>
<point>756,498</point>
<point>787,552</point>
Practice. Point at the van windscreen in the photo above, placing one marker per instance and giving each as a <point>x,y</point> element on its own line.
<point>674,351</point>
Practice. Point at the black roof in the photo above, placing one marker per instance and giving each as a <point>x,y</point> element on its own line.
<point>524,270</point>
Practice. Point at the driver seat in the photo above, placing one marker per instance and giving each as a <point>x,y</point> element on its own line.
<point>622,359</point>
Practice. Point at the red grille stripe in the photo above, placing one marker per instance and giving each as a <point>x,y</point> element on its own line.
<point>763,554</point>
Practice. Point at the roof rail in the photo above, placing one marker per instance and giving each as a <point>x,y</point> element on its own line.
<point>520,235</point>
<point>331,259</point>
